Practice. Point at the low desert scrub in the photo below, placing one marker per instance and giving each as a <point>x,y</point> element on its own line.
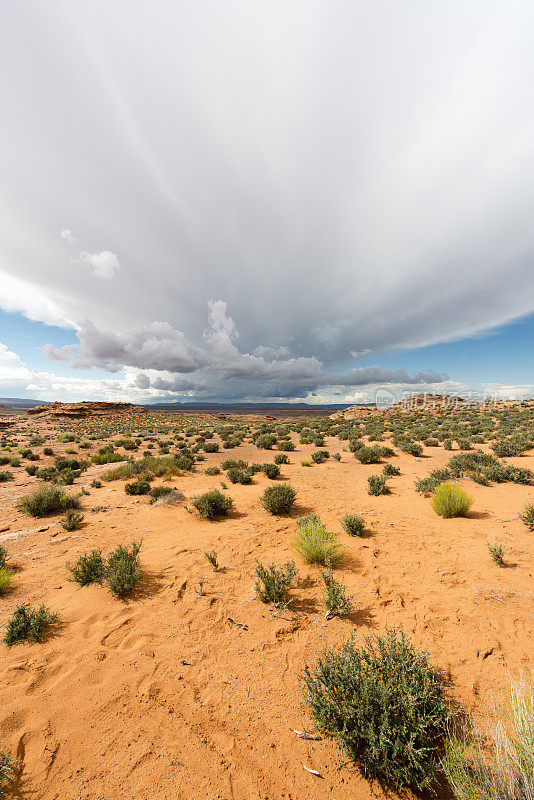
<point>238,475</point>
<point>123,569</point>
<point>213,504</point>
<point>279,499</point>
<point>450,500</point>
<point>89,568</point>
<point>141,486</point>
<point>3,556</point>
<point>319,456</point>
<point>6,579</point>
<point>271,470</point>
<point>120,570</point>
<point>28,623</point>
<point>314,543</point>
<point>377,485</point>
<point>46,500</point>
<point>159,491</point>
<point>211,557</point>
<point>336,599</point>
<point>5,476</point>
<point>495,764</point>
<point>281,458</point>
<point>384,705</point>
<point>527,516</point>
<point>427,486</point>
<point>368,455</point>
<point>7,773</point>
<point>122,473</point>
<point>272,582</point>
<point>212,471</point>
<point>72,520</point>
<point>353,524</point>
<point>305,463</point>
<point>497,554</point>
<point>390,470</point>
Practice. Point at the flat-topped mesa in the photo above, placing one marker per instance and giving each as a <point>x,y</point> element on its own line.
<point>87,408</point>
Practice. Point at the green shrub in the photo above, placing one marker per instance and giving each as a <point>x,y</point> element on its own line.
<point>6,579</point>
<point>450,500</point>
<point>390,470</point>
<point>427,485</point>
<point>123,569</point>
<point>72,520</point>
<point>5,476</point>
<point>281,458</point>
<point>7,773</point>
<point>211,447</point>
<point>497,554</point>
<point>305,463</point>
<point>527,516</point>
<point>319,456</point>
<point>509,447</point>
<point>413,449</point>
<point>96,484</point>
<point>89,568</point>
<point>141,486</point>
<point>384,705</point>
<point>314,543</point>
<point>266,441</point>
<point>213,504</point>
<point>122,473</point>
<point>353,524</point>
<point>212,558</point>
<point>212,471</point>
<point>271,470</point>
<point>159,491</point>
<point>447,444</point>
<point>279,499</point>
<point>377,485</point>
<point>336,599</point>
<point>286,445</point>
<point>31,469</point>
<point>237,475</point>
<point>108,457</point>
<point>28,623</point>
<point>368,455</point>
<point>272,582</point>
<point>232,463</point>
<point>46,500</point>
<point>3,556</point>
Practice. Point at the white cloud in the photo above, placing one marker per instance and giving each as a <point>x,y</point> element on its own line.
<point>104,265</point>
<point>357,182</point>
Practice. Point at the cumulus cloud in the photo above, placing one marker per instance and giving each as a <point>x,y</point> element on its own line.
<point>104,265</point>
<point>354,182</point>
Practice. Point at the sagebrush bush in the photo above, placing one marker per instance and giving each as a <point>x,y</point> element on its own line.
<point>272,582</point>
<point>72,520</point>
<point>237,475</point>
<point>5,476</point>
<point>527,516</point>
<point>314,543</point>
<point>89,568</point>
<point>390,470</point>
<point>123,569</point>
<point>212,471</point>
<point>3,556</point>
<point>159,491</point>
<point>319,456</point>
<point>377,485</point>
<point>384,705</point>
<point>46,500</point>
<point>336,599</point>
<point>28,623</point>
<point>213,504</point>
<point>450,500</point>
<point>353,524</point>
<point>281,458</point>
<point>271,470</point>
<point>368,455</point>
<point>279,499</point>
<point>141,486</point>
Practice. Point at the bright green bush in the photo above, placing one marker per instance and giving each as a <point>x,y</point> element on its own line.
<point>47,499</point>
<point>450,500</point>
<point>315,544</point>
<point>213,504</point>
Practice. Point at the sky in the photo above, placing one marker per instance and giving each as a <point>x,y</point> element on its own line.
<point>233,200</point>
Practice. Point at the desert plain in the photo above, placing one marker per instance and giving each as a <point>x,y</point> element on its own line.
<point>189,688</point>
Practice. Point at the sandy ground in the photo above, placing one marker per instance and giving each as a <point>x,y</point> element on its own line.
<point>161,696</point>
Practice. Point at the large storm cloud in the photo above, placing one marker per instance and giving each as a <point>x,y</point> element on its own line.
<point>346,177</point>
